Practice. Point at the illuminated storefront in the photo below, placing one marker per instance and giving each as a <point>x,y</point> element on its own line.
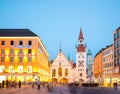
<point>22,56</point>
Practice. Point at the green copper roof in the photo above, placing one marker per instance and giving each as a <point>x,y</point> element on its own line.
<point>89,52</point>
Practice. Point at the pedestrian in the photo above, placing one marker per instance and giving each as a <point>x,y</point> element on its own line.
<point>38,84</point>
<point>3,83</point>
<point>6,83</point>
<point>115,86</point>
<point>19,84</point>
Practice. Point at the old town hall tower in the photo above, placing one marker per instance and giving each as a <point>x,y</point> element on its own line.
<point>81,59</point>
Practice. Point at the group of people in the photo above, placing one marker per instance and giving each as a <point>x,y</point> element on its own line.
<point>10,84</point>
<point>37,83</point>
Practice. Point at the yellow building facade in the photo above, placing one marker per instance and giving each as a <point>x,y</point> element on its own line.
<point>22,56</point>
<point>97,70</point>
<point>108,66</point>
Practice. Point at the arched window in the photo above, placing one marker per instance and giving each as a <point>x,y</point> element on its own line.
<point>60,71</point>
<point>66,72</point>
<point>53,72</point>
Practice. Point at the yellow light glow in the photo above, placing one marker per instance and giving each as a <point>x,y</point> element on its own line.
<point>25,52</point>
<point>33,52</point>
<point>20,68</point>
<point>7,51</point>
<point>16,52</point>
<point>25,59</point>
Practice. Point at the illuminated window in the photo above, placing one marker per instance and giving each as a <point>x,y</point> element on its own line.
<point>2,51</point>
<point>29,51</point>
<point>60,71</point>
<point>2,59</point>
<point>11,51</point>
<point>29,69</point>
<point>11,42</point>
<point>11,59</point>
<point>29,59</point>
<point>53,72</point>
<point>2,42</point>
<point>66,72</point>
<point>20,69</point>
<point>20,51</point>
<point>11,69</point>
<point>20,43</point>
<point>29,42</point>
<point>20,59</point>
<point>2,69</point>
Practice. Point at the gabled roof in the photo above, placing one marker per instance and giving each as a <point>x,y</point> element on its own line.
<point>16,33</point>
<point>80,35</point>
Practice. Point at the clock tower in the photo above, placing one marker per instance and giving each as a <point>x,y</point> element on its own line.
<point>81,59</point>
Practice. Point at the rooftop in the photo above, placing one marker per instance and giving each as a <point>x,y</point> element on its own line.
<point>16,33</point>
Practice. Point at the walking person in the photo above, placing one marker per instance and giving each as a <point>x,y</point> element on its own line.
<point>115,86</point>
<point>6,83</point>
<point>3,83</point>
<point>38,84</point>
<point>19,84</point>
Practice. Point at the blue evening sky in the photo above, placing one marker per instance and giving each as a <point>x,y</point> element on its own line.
<point>59,21</point>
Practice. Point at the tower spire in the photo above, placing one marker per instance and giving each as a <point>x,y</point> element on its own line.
<point>60,47</point>
<point>68,56</point>
<point>80,35</point>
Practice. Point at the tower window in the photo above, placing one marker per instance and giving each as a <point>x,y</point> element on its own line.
<point>80,74</point>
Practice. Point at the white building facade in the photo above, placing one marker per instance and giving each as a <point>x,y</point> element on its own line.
<point>62,70</point>
<point>90,77</point>
<point>81,59</point>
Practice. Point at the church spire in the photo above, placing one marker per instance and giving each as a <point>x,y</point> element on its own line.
<point>80,35</point>
<point>68,56</point>
<point>60,47</point>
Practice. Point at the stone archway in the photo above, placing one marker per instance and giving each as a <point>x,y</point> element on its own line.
<point>64,80</point>
<point>81,81</point>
